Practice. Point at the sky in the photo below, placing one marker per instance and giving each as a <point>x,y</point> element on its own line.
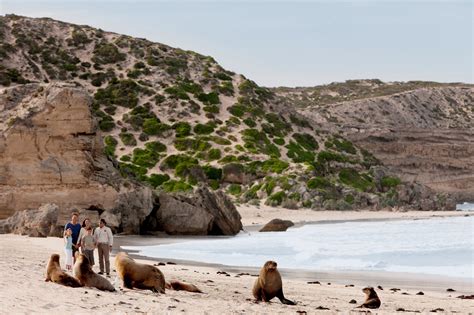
<point>293,43</point>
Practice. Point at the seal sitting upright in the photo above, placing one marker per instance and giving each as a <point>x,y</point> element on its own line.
<point>56,275</point>
<point>371,299</point>
<point>87,277</point>
<point>268,284</point>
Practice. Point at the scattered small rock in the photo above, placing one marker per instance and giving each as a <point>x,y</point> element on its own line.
<point>420,293</point>
<point>329,283</point>
<point>209,281</point>
<point>97,294</point>
<point>405,293</point>
<point>314,282</point>
<point>254,275</point>
<point>322,308</point>
<point>222,273</point>
<point>185,269</point>
<point>170,263</point>
<point>301,312</point>
<point>400,309</point>
<point>236,292</point>
<point>450,290</point>
<point>171,307</point>
<point>439,309</point>
<point>379,287</point>
<point>123,303</point>
<point>243,274</point>
<point>175,300</point>
<point>85,292</point>
<point>466,297</point>
<point>394,289</point>
<point>349,285</point>
<point>352,301</point>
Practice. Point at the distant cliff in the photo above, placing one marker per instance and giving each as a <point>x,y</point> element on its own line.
<point>424,132</point>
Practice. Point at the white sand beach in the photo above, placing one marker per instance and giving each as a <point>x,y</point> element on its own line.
<point>23,289</point>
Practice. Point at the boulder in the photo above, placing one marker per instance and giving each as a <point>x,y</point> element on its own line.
<point>277,225</point>
<point>39,223</point>
<point>204,213</point>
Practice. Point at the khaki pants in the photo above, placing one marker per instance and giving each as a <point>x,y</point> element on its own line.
<point>104,253</point>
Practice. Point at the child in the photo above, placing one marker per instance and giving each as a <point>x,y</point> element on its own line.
<point>68,248</point>
<point>88,245</point>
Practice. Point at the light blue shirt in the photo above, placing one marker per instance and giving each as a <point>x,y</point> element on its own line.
<point>68,242</point>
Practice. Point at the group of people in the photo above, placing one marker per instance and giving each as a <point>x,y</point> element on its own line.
<point>84,238</point>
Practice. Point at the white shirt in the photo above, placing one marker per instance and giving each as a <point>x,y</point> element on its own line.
<point>104,235</point>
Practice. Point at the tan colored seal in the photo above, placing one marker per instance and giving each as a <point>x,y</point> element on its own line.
<point>371,298</point>
<point>181,286</point>
<point>87,277</point>
<point>140,276</point>
<point>56,275</point>
<point>268,284</point>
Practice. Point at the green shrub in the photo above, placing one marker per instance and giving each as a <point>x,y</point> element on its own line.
<point>127,169</point>
<point>119,92</point>
<point>152,126</point>
<point>318,183</point>
<point>210,98</point>
<point>105,53</point>
<point>176,186</point>
<point>228,159</point>
<point>184,144</point>
<point>349,199</point>
<point>269,186</point>
<point>128,139</point>
<point>145,158</point>
<point>214,184</point>
<point>344,145</point>
<point>279,141</point>
<point>298,154</point>
<point>251,193</point>
<point>390,182</point>
<point>155,146</point>
<point>157,180</point>
<point>305,140</point>
<point>206,129</point>
<point>352,178</point>
<point>249,122</point>
<point>280,126</point>
<point>274,166</point>
<point>182,128</point>
<point>220,140</point>
<point>106,124</point>
<point>276,199</point>
<point>214,154</point>
<point>223,76</point>
<point>212,109</point>
<point>257,142</point>
<point>237,110</point>
<point>110,145</point>
<point>212,172</point>
<point>226,88</point>
<point>173,160</point>
<point>234,189</point>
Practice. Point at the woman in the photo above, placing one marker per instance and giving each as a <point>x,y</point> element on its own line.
<point>85,225</point>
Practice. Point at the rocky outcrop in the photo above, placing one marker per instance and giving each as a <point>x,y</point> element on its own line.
<point>202,214</point>
<point>39,223</point>
<point>51,152</point>
<point>277,225</point>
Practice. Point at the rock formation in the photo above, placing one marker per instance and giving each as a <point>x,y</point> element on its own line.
<point>277,225</point>
<point>52,152</point>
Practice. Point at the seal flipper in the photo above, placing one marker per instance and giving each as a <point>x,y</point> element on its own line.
<point>283,299</point>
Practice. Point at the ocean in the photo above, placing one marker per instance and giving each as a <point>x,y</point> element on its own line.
<point>436,246</point>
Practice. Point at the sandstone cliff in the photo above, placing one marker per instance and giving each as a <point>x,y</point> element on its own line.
<point>52,152</point>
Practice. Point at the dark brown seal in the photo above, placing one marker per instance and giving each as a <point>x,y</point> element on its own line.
<point>140,276</point>
<point>87,277</point>
<point>371,298</point>
<point>56,275</point>
<point>181,286</point>
<point>268,284</point>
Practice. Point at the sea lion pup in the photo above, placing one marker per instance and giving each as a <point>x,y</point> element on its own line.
<point>371,298</point>
<point>181,286</point>
<point>136,275</point>
<point>87,277</point>
<point>268,284</point>
<point>56,275</point>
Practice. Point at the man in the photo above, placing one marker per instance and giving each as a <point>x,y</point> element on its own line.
<point>104,240</point>
<point>75,227</point>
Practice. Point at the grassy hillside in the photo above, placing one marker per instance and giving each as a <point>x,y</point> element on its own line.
<point>173,119</point>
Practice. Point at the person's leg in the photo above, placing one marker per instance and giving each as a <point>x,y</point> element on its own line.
<point>106,256</point>
<point>91,256</point>
<point>100,247</point>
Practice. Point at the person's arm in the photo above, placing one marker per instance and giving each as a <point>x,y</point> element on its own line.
<point>65,228</point>
<point>79,239</point>
<point>111,238</point>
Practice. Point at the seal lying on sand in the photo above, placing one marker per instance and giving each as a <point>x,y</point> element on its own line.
<point>147,277</point>
<point>268,284</point>
<point>56,275</point>
<point>87,277</point>
<point>371,298</point>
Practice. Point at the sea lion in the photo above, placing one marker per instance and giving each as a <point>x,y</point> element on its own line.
<point>268,284</point>
<point>55,274</point>
<point>136,275</point>
<point>371,298</point>
<point>181,286</point>
<point>87,277</point>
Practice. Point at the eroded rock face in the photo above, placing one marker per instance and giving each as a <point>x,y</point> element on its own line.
<point>277,225</point>
<point>50,151</point>
<point>205,213</point>
<point>40,223</point>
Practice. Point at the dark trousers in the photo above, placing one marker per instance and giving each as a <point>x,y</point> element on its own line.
<point>89,253</point>
<point>104,252</point>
